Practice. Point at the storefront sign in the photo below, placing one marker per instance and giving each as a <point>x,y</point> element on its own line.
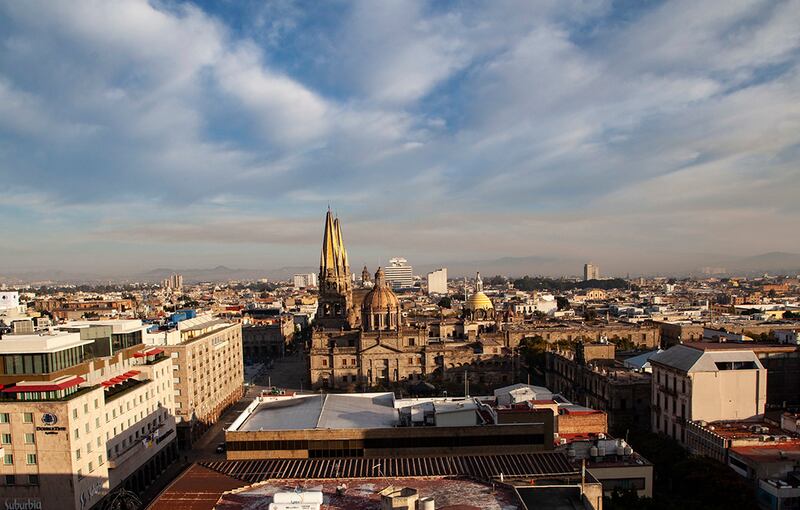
<point>23,504</point>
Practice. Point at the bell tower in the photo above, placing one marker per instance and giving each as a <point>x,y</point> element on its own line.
<point>335,310</point>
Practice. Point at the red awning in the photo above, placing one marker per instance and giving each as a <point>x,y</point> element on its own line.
<point>107,383</point>
<point>31,388</point>
<point>153,352</point>
<point>139,355</point>
<point>131,373</point>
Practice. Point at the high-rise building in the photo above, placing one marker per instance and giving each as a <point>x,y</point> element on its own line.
<point>437,281</point>
<point>302,281</point>
<point>173,283</point>
<point>591,272</point>
<point>399,273</point>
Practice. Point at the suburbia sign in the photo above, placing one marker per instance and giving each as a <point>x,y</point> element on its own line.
<point>23,504</point>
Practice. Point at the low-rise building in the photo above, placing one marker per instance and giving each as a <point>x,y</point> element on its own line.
<point>691,382</point>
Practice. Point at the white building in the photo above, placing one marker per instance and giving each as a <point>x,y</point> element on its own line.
<point>544,303</point>
<point>437,281</point>
<point>399,273</point>
<point>708,382</point>
<point>591,272</point>
<point>302,281</point>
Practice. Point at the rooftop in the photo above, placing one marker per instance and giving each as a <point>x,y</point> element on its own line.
<point>364,494</point>
<point>41,343</point>
<point>326,411</point>
<point>690,359</point>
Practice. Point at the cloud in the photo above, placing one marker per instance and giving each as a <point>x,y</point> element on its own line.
<point>437,130</point>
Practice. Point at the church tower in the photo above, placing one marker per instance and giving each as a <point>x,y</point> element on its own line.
<point>335,310</point>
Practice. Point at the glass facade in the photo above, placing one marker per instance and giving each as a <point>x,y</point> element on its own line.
<point>21,364</point>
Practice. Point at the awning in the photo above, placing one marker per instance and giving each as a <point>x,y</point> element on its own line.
<point>151,352</point>
<point>24,387</point>
<point>131,373</point>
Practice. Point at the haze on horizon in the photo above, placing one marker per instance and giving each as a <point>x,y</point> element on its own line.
<point>137,134</point>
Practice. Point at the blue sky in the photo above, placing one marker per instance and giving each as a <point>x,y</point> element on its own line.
<point>139,134</point>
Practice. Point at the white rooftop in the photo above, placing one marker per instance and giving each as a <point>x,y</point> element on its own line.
<point>327,411</point>
<point>41,343</point>
<point>117,325</point>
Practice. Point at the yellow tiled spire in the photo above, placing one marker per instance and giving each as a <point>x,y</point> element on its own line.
<point>327,258</point>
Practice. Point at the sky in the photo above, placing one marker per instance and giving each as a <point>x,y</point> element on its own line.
<point>137,134</point>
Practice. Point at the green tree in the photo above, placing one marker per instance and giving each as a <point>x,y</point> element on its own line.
<point>562,303</point>
<point>445,302</point>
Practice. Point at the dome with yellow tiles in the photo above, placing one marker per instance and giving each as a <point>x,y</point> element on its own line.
<point>479,301</point>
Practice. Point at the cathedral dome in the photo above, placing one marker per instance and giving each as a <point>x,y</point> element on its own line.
<point>479,301</point>
<point>381,308</point>
<point>381,297</point>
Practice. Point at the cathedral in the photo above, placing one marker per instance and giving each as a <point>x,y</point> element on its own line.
<point>361,340</point>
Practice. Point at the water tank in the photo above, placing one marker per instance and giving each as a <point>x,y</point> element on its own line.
<point>594,451</point>
<point>601,451</point>
<point>427,504</point>
<point>620,450</point>
<point>628,450</point>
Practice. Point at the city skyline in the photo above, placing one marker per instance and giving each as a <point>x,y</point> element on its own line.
<point>568,131</point>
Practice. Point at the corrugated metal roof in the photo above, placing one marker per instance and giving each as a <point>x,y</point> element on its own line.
<point>478,466</point>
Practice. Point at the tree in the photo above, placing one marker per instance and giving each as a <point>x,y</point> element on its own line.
<point>445,302</point>
<point>532,350</point>
<point>562,303</point>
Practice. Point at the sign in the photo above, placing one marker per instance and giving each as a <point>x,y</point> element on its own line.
<point>23,504</point>
<point>51,429</point>
<point>49,419</point>
<point>90,493</point>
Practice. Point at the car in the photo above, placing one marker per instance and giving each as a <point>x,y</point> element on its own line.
<point>221,448</point>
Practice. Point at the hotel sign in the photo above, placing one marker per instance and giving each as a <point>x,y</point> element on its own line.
<point>23,504</point>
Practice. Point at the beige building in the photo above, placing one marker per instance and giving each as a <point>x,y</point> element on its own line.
<point>75,426</point>
<point>207,370</point>
<point>696,383</point>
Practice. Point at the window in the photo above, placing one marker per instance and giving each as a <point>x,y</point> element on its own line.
<point>5,439</point>
<point>75,413</point>
<point>96,404</point>
<point>97,422</point>
<point>11,480</point>
<point>8,459</point>
<point>27,417</point>
<point>86,408</point>
<point>99,460</point>
<point>29,439</point>
<point>86,426</point>
<point>31,459</point>
<point>33,479</point>
<point>4,418</point>
<point>78,454</point>
<point>324,363</point>
<point>91,467</point>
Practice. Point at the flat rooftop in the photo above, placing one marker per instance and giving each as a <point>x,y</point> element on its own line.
<point>41,343</point>
<point>363,494</point>
<point>326,411</point>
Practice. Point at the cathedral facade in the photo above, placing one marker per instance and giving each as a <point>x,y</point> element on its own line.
<point>358,346</point>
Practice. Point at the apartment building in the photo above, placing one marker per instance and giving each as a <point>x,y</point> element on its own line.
<point>74,425</point>
<point>697,382</point>
<point>207,371</point>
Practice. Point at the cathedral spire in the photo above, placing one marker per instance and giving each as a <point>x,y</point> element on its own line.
<point>327,258</point>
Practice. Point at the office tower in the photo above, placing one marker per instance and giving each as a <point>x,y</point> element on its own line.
<point>591,272</point>
<point>399,273</point>
<point>437,281</point>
